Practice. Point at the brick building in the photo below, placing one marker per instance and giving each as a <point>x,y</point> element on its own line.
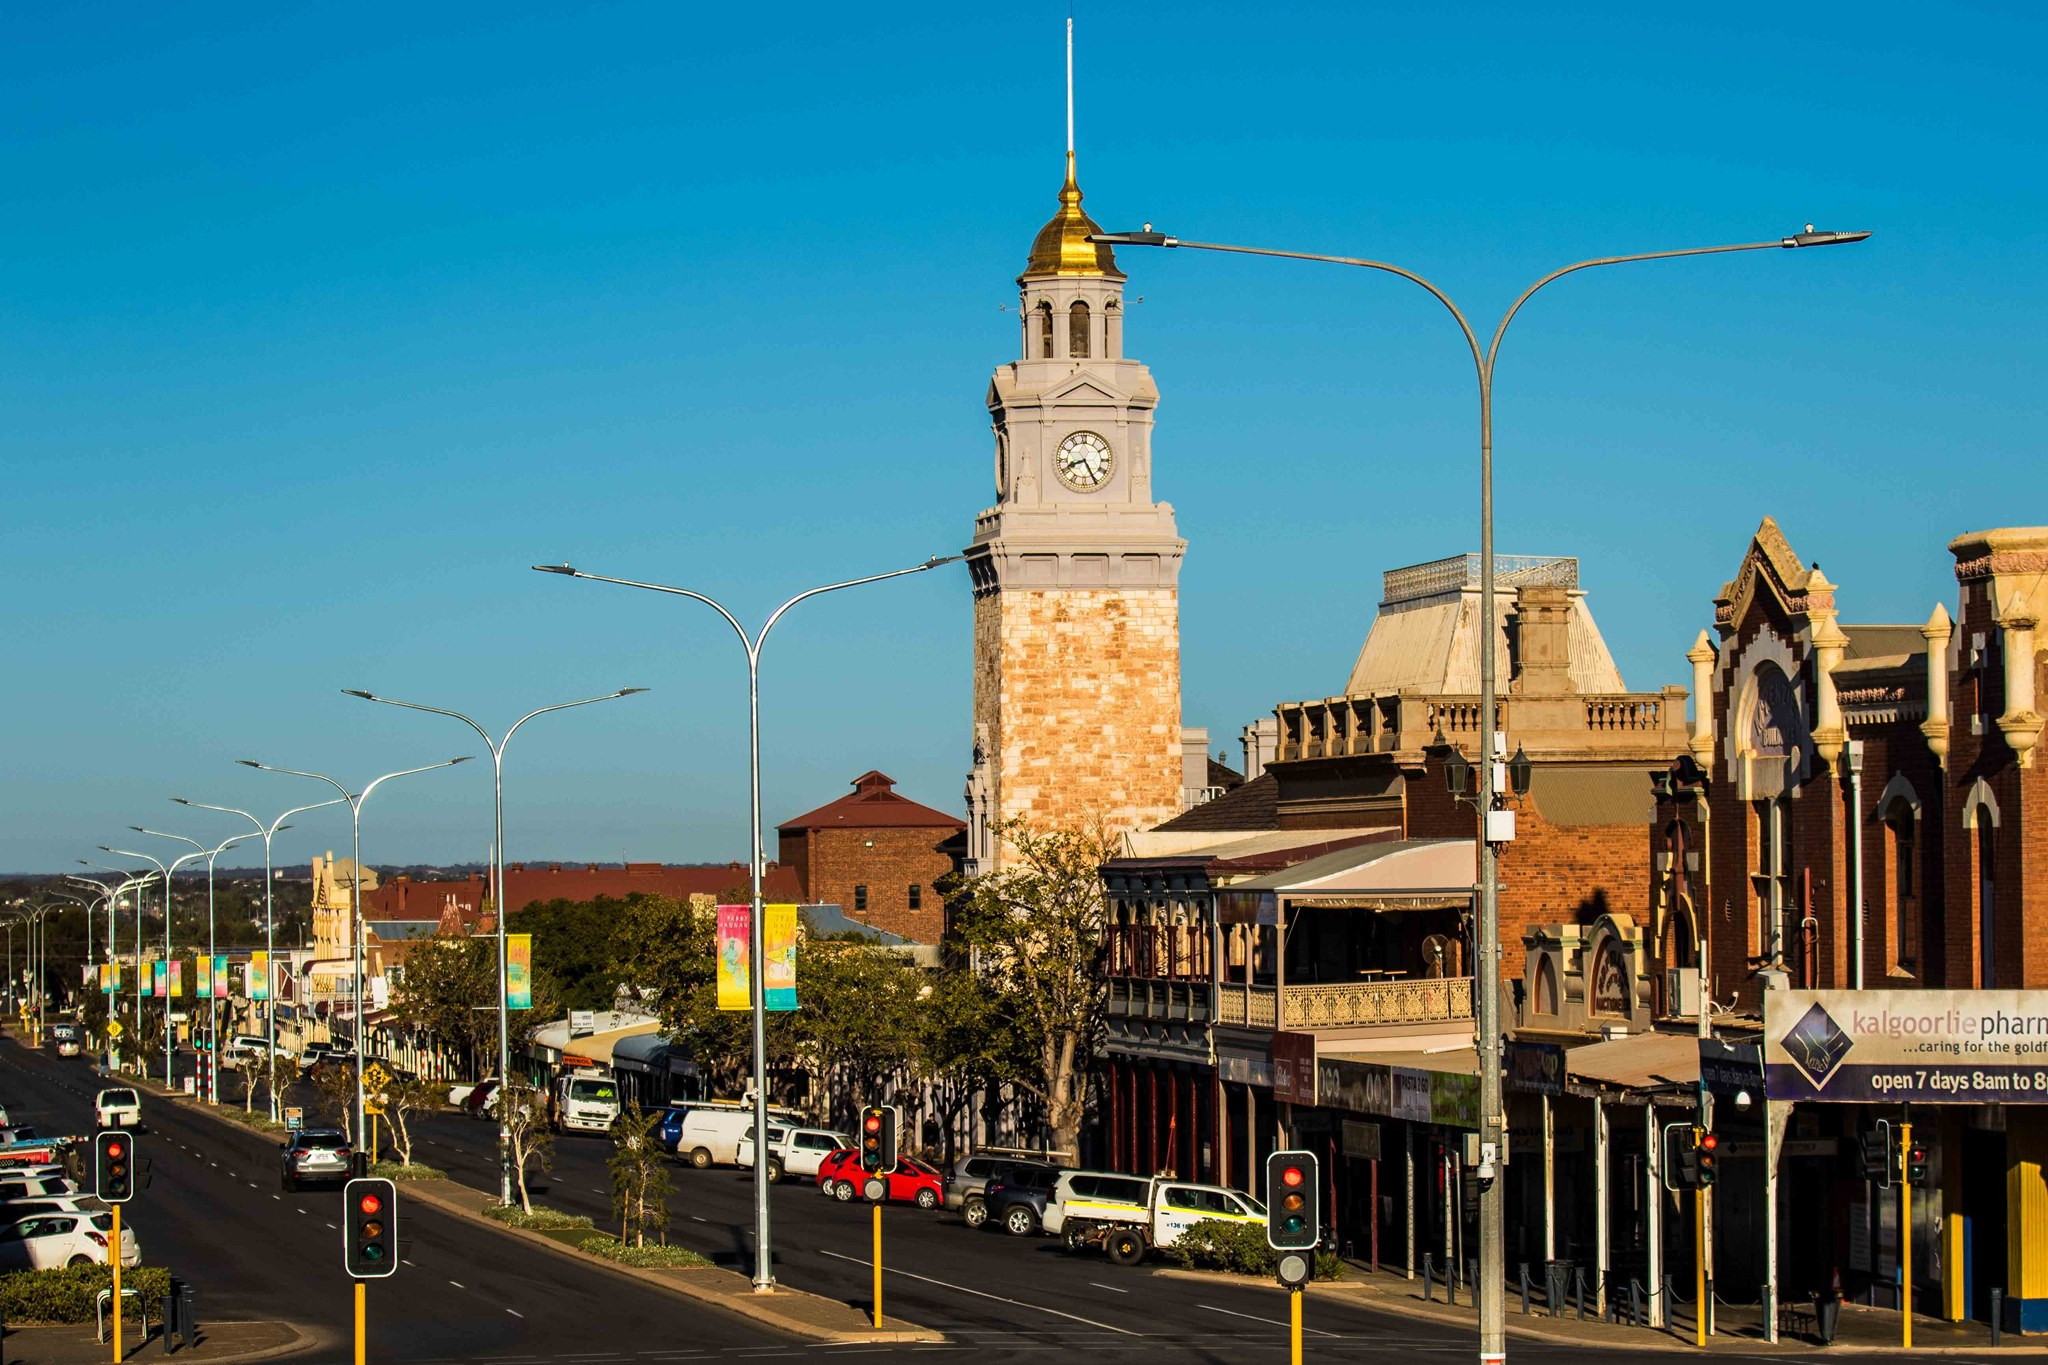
<point>876,855</point>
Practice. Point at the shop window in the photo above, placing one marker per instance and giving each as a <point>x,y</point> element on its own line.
<point>860,898</point>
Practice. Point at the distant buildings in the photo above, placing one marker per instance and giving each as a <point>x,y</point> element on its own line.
<point>876,855</point>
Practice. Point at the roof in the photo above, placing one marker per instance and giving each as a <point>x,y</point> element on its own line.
<point>1231,847</point>
<point>874,804</point>
<point>1882,642</point>
<point>824,920</point>
<point>1062,246</point>
<point>1643,1061</point>
<point>596,1046</point>
<point>1581,794</point>
<point>643,1048</point>
<point>1389,867</point>
<point>406,899</point>
<point>1249,807</point>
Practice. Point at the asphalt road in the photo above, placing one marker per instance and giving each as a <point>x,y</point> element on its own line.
<point>213,1212</point>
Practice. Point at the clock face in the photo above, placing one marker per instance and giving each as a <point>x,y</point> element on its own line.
<point>1084,461</point>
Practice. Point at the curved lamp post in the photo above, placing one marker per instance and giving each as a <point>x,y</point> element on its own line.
<point>130,882</point>
<point>497,748</point>
<point>268,832</point>
<point>212,1010</point>
<point>168,873</point>
<point>355,802</point>
<point>764,1274</point>
<point>1492,1130</point>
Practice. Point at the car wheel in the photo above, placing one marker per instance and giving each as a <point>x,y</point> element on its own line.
<point>775,1173</point>
<point>927,1199</point>
<point>974,1213</point>
<point>1075,1236</point>
<point>701,1158</point>
<point>77,1261</point>
<point>1019,1220</point>
<point>843,1191</point>
<point>1125,1247</point>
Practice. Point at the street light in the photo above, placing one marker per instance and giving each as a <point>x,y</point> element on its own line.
<point>212,1010</point>
<point>764,1271</point>
<point>168,873</point>
<point>130,882</point>
<point>1493,1132</point>
<point>355,802</point>
<point>497,748</point>
<point>268,832</point>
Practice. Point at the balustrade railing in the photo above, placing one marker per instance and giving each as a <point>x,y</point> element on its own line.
<point>1347,1004</point>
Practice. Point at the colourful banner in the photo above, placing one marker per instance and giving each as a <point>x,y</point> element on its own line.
<point>113,977</point>
<point>518,972</point>
<point>202,976</point>
<point>779,972</point>
<point>733,983</point>
<point>106,979</point>
<point>220,976</point>
<point>259,976</point>
<point>177,977</point>
<point>159,978</point>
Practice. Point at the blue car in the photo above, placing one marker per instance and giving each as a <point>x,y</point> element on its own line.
<point>668,1130</point>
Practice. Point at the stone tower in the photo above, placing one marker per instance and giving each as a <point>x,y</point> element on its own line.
<point>1075,568</point>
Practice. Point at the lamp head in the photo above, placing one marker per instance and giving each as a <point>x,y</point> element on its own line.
<point>1146,237</point>
<point>248,762</point>
<point>936,560</point>
<point>1457,773</point>
<point>464,759</point>
<point>1812,238</point>
<point>555,568</point>
<point>1520,770</point>
<point>629,692</point>
<point>357,692</point>
<point>1660,783</point>
<point>138,829</point>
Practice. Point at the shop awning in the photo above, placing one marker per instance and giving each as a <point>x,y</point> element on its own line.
<point>1644,1062</point>
<point>1402,874</point>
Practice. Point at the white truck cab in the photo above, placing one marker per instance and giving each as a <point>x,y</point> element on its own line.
<point>586,1101</point>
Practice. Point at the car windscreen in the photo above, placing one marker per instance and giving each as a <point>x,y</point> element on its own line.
<point>593,1090</point>
<point>113,1097</point>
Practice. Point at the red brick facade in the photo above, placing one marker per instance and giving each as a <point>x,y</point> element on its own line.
<point>877,856</point>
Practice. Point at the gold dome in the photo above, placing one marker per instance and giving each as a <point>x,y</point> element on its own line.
<point>1062,246</point>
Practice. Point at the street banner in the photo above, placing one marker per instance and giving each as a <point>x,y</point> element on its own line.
<point>259,976</point>
<point>1535,1068</point>
<point>518,972</point>
<point>1923,1047</point>
<point>177,974</point>
<point>779,975</point>
<point>202,976</point>
<point>733,982</point>
<point>1294,1068</point>
<point>220,976</point>
<point>85,976</point>
<point>159,978</point>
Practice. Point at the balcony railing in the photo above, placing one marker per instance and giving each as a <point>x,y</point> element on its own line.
<point>1408,722</point>
<point>1170,1000</point>
<point>1348,1005</point>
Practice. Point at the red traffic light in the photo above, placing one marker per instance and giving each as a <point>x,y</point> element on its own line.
<point>874,1124</point>
<point>1710,1142</point>
<point>370,1203</point>
<point>114,1149</point>
<point>1291,1176</point>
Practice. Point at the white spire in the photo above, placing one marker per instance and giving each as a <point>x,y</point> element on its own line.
<point>1070,85</point>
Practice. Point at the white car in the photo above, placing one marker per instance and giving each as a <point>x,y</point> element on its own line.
<point>793,1151</point>
<point>51,1241</point>
<point>37,1182</point>
<point>14,1210</point>
<point>67,1047</point>
<point>117,1107</point>
<point>249,1047</point>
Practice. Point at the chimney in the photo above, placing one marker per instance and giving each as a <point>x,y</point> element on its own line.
<point>1542,640</point>
<point>1194,757</point>
<point>1260,741</point>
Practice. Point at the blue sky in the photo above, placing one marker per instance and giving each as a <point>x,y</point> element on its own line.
<point>321,326</point>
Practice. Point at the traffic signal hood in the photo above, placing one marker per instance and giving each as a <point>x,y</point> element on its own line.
<point>113,1166</point>
<point>1709,1153</point>
<point>1916,1164</point>
<point>1293,1201</point>
<point>370,1237</point>
<point>878,1140</point>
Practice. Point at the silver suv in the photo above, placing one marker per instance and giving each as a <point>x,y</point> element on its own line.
<point>315,1154</point>
<point>968,1179</point>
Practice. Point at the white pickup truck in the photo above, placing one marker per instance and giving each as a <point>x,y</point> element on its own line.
<point>792,1151</point>
<point>1129,1232</point>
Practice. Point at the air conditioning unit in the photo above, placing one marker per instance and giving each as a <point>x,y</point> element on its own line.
<point>1682,992</point>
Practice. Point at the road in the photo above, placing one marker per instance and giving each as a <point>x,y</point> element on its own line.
<point>213,1212</point>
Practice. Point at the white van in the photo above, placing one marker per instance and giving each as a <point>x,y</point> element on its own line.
<point>710,1134</point>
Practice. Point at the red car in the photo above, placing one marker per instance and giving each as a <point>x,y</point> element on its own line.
<point>912,1182</point>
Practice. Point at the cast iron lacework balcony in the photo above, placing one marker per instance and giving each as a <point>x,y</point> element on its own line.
<point>1348,1004</point>
<point>1149,998</point>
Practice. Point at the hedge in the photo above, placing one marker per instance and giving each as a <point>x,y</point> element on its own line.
<point>394,1170</point>
<point>70,1295</point>
<point>652,1255</point>
<point>542,1219</point>
<point>1239,1248</point>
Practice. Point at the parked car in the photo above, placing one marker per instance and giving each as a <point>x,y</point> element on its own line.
<point>793,1151</point>
<point>315,1154</point>
<point>668,1131</point>
<point>1017,1203</point>
<point>14,1210</point>
<point>36,1183</point>
<point>117,1107</point>
<point>20,1133</point>
<point>246,1048</point>
<point>51,1241</point>
<point>473,1097</point>
<point>912,1182</point>
<point>971,1174</point>
<point>1080,1197</point>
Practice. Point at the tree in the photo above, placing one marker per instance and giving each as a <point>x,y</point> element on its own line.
<point>964,1044</point>
<point>858,1018</point>
<point>405,1097</point>
<point>524,1113</point>
<point>572,947</point>
<point>449,987</point>
<point>335,1084</point>
<point>640,1184</point>
<point>1034,930</point>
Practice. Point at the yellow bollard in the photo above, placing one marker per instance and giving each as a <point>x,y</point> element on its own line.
<point>1294,1326</point>
<point>115,1256</point>
<point>359,1322</point>
<point>878,1268</point>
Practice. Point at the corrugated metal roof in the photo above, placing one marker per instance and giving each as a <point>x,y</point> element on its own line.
<point>1392,865</point>
<point>1645,1061</point>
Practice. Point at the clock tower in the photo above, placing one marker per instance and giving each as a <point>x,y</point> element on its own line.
<point>1075,568</point>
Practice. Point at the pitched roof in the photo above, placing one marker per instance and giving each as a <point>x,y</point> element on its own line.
<point>874,804</point>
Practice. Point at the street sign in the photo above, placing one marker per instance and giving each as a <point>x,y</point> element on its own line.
<point>375,1077</point>
<point>114,1029</point>
<point>1732,1068</point>
<point>294,1118</point>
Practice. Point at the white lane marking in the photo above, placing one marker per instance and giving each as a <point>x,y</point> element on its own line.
<point>302,1211</point>
<point>1276,1322</point>
<point>457,1283</point>
<point>1110,1287</point>
<point>695,1219</point>
<point>403,1261</point>
<point>998,1298</point>
<point>515,1313</point>
<point>332,1225</point>
<point>278,1197</point>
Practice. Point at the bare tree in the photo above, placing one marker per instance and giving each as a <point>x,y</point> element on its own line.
<point>525,1114</point>
<point>404,1099</point>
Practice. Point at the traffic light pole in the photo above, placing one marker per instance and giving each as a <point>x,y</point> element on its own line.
<point>115,1257</point>
<point>1294,1326</point>
<point>362,1294</point>
<point>878,1265</point>
<point>1905,1237</point>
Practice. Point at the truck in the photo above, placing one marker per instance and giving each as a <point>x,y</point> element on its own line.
<point>1131,1232</point>
<point>585,1099</point>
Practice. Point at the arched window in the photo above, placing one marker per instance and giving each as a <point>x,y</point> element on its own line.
<point>1077,330</point>
<point>1044,331</point>
<point>1905,888</point>
<point>1546,986</point>
<point>1987,899</point>
<point>1610,980</point>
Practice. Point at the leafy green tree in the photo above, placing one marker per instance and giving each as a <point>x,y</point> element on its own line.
<point>449,987</point>
<point>573,948</point>
<point>1034,931</point>
<point>640,1183</point>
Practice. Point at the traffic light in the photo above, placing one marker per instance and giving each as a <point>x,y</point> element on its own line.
<point>113,1166</point>
<point>1709,1151</point>
<point>369,1237</point>
<point>1684,1156</point>
<point>1916,1164</point>
<point>1293,1193</point>
<point>878,1140</point>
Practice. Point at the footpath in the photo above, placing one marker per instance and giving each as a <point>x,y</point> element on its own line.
<point>810,1317</point>
<point>219,1343</point>
<point>1738,1330</point>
